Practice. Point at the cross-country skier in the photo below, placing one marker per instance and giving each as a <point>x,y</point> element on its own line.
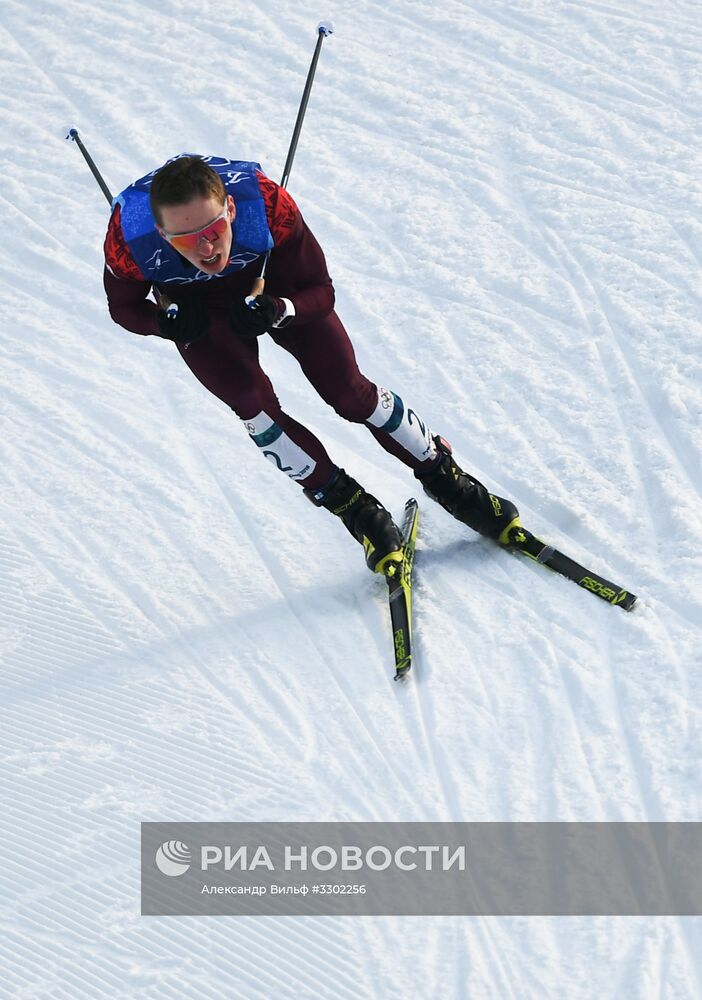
<point>197,230</point>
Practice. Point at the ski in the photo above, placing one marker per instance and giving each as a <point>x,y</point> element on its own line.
<point>521,540</point>
<point>399,580</point>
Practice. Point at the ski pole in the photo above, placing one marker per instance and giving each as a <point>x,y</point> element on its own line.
<point>163,301</point>
<point>324,28</point>
<point>73,135</point>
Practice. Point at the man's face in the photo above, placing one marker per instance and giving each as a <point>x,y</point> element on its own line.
<point>200,230</point>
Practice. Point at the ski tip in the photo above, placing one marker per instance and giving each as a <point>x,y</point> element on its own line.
<point>402,672</point>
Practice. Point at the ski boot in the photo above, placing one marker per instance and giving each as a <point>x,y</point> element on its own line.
<point>467,499</point>
<point>366,519</point>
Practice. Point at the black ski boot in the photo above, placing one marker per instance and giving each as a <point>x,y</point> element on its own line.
<point>466,498</point>
<point>364,516</point>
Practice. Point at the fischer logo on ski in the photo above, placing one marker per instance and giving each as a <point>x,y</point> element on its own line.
<point>521,540</point>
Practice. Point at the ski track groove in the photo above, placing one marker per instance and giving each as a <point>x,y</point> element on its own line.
<point>43,234</point>
<point>587,297</point>
<point>557,251</point>
<point>423,704</point>
<point>58,910</point>
<point>582,286</point>
<point>283,585</point>
<point>66,583</point>
<point>635,379</point>
<point>579,281</point>
<point>401,781</point>
<point>548,635</point>
<point>649,802</point>
<point>510,25</point>
<point>543,174</point>
<point>523,74</point>
<point>687,28</point>
<point>106,641</point>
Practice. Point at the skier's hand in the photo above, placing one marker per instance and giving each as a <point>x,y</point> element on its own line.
<point>188,324</point>
<point>256,319</point>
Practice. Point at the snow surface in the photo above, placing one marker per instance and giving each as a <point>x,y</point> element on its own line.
<point>509,193</point>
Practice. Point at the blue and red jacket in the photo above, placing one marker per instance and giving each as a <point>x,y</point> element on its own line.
<point>137,257</point>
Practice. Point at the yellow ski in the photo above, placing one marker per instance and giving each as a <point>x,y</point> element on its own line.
<point>399,580</point>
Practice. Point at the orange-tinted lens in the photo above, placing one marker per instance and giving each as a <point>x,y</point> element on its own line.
<point>191,241</point>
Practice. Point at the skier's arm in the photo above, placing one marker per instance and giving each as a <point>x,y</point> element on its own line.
<point>124,284</point>
<point>128,304</point>
<point>298,270</point>
<point>303,275</point>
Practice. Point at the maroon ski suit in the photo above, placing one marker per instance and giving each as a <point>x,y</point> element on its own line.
<point>228,365</point>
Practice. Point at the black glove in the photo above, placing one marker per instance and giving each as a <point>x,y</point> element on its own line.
<point>188,324</point>
<point>254,320</point>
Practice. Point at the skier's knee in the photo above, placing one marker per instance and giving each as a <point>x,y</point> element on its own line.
<point>352,405</point>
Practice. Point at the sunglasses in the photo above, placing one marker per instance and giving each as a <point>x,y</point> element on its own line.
<point>190,241</point>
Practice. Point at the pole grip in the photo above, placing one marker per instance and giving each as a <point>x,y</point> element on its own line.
<point>257,287</point>
<point>164,302</point>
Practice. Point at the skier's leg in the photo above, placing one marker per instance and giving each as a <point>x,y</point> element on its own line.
<point>327,358</point>
<point>230,369</point>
